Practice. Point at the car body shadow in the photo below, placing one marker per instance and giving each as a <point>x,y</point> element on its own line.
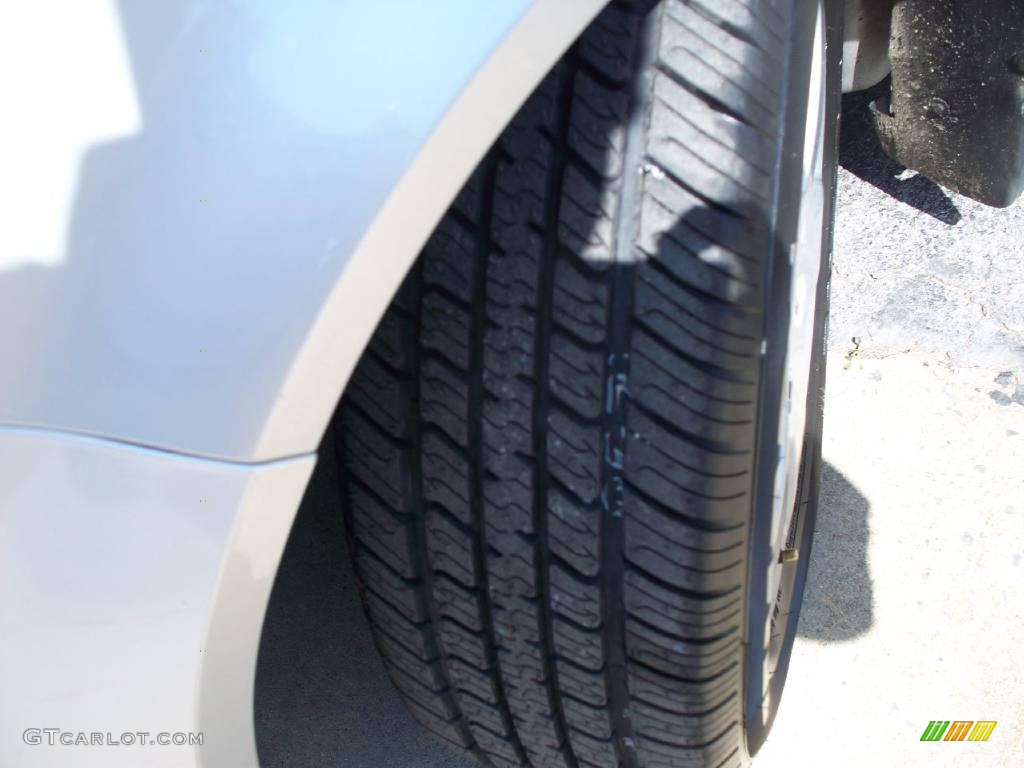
<point>838,599</point>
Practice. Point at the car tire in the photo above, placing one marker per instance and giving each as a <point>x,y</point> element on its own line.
<point>563,452</point>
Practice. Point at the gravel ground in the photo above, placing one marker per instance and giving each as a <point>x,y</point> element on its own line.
<point>914,607</point>
<point>917,268</point>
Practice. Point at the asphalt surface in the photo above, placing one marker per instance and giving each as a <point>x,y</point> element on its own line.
<point>915,605</point>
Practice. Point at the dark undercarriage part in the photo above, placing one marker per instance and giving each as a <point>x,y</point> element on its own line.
<point>956,113</point>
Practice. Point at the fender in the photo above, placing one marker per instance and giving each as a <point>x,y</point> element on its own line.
<point>214,205</point>
<point>217,201</point>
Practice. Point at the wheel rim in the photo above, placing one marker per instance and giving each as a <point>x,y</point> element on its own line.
<point>805,262</point>
<point>787,532</point>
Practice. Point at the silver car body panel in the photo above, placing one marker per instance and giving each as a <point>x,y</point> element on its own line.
<point>207,235</point>
<point>133,585</point>
<point>209,208</point>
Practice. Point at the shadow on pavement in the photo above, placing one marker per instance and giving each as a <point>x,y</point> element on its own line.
<point>861,154</point>
<point>838,599</point>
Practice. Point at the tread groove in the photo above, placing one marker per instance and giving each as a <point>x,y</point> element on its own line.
<point>541,357</point>
<point>474,453</point>
<point>621,277</point>
<point>418,541</point>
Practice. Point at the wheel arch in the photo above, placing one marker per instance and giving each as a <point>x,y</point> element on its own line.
<point>199,268</point>
<point>393,240</point>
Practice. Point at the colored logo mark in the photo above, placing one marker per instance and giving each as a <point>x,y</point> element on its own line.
<point>958,730</point>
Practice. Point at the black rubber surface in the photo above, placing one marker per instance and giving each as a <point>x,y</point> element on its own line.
<point>547,450</point>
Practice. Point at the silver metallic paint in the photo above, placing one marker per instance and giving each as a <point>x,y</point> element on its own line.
<point>329,138</point>
<point>116,582</point>
<point>297,126</point>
